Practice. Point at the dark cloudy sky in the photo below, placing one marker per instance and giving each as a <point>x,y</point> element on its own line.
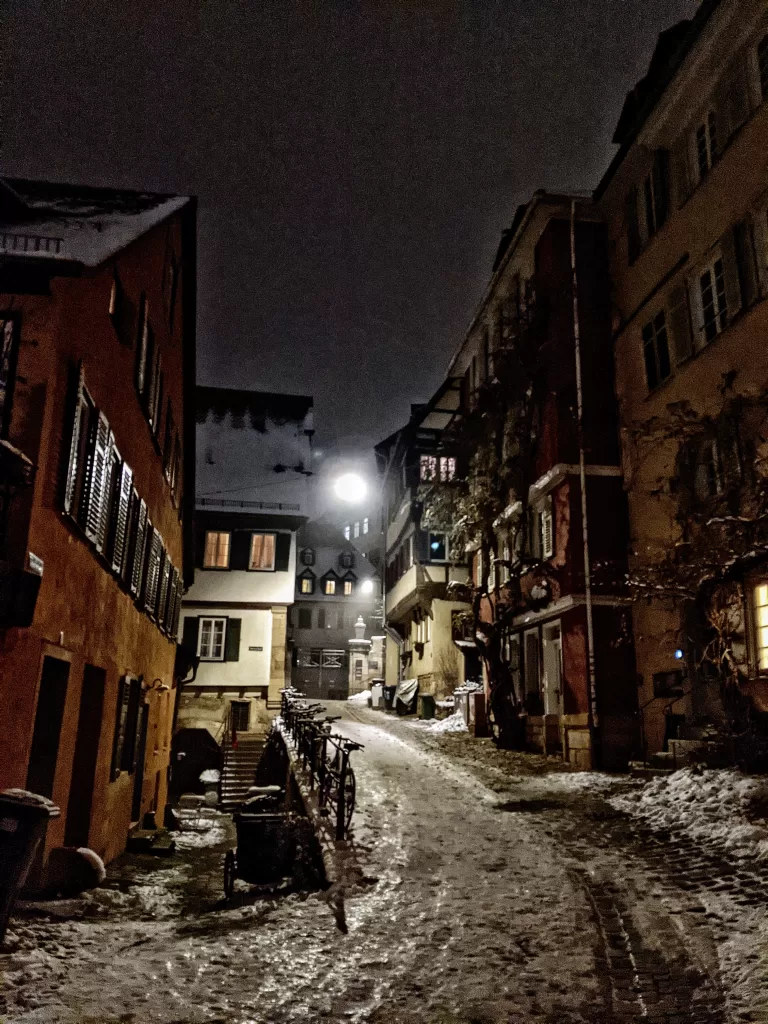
<point>355,162</point>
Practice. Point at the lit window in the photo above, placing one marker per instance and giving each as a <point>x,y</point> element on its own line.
<point>656,350</point>
<point>427,468</point>
<point>706,144</point>
<point>761,626</point>
<point>330,586</point>
<point>347,533</point>
<point>713,303</point>
<point>357,529</point>
<point>365,525</point>
<point>447,468</point>
<point>306,585</point>
<point>216,550</point>
<point>262,552</point>
<point>210,643</point>
<point>437,547</point>
<point>347,587</point>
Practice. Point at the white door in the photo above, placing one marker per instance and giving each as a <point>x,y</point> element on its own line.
<point>552,670</point>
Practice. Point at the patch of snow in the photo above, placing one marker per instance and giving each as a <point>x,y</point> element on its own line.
<point>360,698</point>
<point>210,775</point>
<point>710,805</point>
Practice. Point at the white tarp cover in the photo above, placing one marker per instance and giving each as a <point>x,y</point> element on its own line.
<point>406,691</point>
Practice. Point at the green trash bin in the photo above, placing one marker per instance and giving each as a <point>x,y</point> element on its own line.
<point>24,820</point>
<point>389,697</point>
<point>427,709</point>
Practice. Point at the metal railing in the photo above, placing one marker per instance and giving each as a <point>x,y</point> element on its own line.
<point>324,757</point>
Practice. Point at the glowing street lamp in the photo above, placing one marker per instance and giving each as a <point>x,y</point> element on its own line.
<point>366,587</point>
<point>350,488</point>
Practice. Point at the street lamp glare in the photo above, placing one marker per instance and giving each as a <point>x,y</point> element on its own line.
<point>350,487</point>
<point>367,587</point>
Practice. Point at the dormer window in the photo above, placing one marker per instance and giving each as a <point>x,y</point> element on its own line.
<point>347,559</point>
<point>307,583</point>
<point>308,556</point>
<point>329,586</point>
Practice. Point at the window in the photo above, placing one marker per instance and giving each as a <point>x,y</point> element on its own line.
<point>347,559</point>
<point>142,346</point>
<point>305,618</point>
<point>329,587</point>
<point>427,468</point>
<point>216,550</point>
<point>307,585</point>
<point>308,556</point>
<point>713,303</point>
<point>708,479</point>
<point>365,525</point>
<point>321,618</point>
<point>761,625</point>
<point>655,194</point>
<point>124,746</point>
<point>656,350</point>
<point>346,531</point>
<point>437,547</point>
<point>240,715</point>
<point>8,350</point>
<point>547,533</point>
<point>357,529</point>
<point>447,468</point>
<point>706,144</point>
<point>262,558</point>
<point>762,66</point>
<point>154,565</point>
<point>340,621</point>
<point>168,452</point>
<point>348,587</point>
<point>210,642</point>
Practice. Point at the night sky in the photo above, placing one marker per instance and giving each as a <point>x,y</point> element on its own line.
<point>355,162</point>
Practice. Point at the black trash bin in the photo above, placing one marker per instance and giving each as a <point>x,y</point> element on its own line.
<point>24,820</point>
<point>388,693</point>
<point>426,706</point>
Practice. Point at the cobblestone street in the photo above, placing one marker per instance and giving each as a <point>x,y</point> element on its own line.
<point>496,887</point>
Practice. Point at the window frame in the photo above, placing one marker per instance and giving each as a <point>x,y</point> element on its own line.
<point>218,533</point>
<point>262,568</point>
<point>705,130</point>
<point>430,558</point>
<point>213,619</point>
<point>651,332</point>
<point>719,292</point>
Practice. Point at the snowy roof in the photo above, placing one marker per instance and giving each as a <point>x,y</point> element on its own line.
<point>40,220</point>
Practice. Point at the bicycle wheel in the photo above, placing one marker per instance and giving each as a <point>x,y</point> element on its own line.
<point>349,797</point>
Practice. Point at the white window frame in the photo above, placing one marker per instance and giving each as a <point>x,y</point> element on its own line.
<point>356,531</point>
<point>347,588</point>
<point>210,647</point>
<point>219,534</point>
<point>365,525</point>
<point>428,468</point>
<point>719,300</point>
<point>447,468</point>
<point>759,624</point>
<point>262,568</point>
<point>329,584</point>
<point>307,585</point>
<point>347,531</point>
<point>706,129</point>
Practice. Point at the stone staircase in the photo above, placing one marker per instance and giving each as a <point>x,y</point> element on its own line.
<point>239,770</point>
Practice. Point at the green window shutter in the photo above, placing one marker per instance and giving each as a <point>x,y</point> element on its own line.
<point>240,551</point>
<point>680,323</point>
<point>282,552</point>
<point>190,632</point>
<point>232,642</point>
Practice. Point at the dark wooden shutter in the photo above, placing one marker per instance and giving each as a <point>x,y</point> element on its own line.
<point>190,632</point>
<point>733,296</point>
<point>139,551</point>
<point>121,715</point>
<point>661,186</point>
<point>680,323</point>
<point>130,747</point>
<point>282,551</point>
<point>163,589</point>
<point>232,641</point>
<point>78,422</point>
<point>154,559</point>
<point>142,338</point>
<point>122,514</point>
<point>96,498</point>
<point>240,550</point>
<point>632,219</point>
<point>681,170</point>
<point>130,536</point>
<point>177,605</point>
<point>746,262</point>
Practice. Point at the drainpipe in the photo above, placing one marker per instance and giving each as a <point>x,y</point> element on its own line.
<point>593,718</point>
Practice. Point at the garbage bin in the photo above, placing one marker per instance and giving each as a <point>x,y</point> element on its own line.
<point>427,706</point>
<point>377,695</point>
<point>389,697</point>
<point>24,820</point>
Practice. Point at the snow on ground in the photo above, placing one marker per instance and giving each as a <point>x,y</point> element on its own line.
<point>453,723</point>
<point>712,806</point>
<point>360,698</point>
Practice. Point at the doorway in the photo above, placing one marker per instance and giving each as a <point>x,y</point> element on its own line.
<point>141,751</point>
<point>80,803</point>
<point>552,668</point>
<point>41,771</point>
<point>240,715</point>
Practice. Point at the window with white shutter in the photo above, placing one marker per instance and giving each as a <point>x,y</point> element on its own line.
<point>163,589</point>
<point>121,518</point>
<point>80,437</point>
<point>547,532</point>
<point>96,498</point>
<point>139,551</point>
<point>142,347</point>
<point>178,594</point>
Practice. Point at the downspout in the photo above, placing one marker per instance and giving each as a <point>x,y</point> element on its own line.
<point>592,715</point>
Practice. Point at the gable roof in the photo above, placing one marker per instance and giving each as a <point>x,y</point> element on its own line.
<point>44,221</point>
